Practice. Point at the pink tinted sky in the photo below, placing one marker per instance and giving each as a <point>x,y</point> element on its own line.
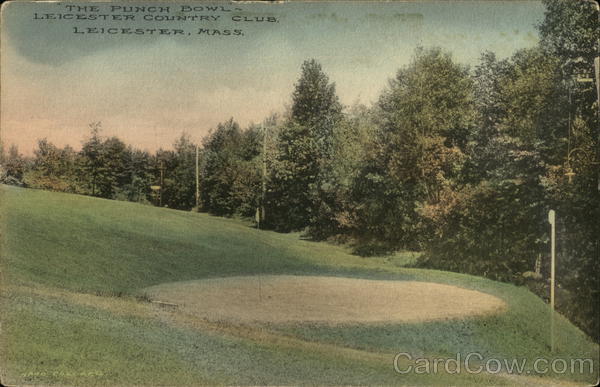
<point>148,90</point>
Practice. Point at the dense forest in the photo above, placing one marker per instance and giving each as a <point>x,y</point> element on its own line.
<point>461,163</point>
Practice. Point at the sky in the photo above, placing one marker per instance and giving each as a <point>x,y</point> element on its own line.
<point>147,88</point>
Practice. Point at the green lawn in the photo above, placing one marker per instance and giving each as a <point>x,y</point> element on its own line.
<point>72,267</point>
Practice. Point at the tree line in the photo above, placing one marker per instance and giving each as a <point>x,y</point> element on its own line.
<point>460,163</point>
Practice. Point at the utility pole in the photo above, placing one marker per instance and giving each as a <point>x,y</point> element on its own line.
<point>264,175</point>
<point>162,173</point>
<point>597,75</point>
<point>261,211</point>
<point>197,182</point>
<point>552,221</point>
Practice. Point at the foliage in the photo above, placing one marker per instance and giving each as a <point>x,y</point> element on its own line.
<point>353,139</point>
<point>570,31</point>
<point>533,150</point>
<point>138,168</point>
<point>103,163</point>
<point>231,175</point>
<point>179,189</point>
<point>461,164</point>
<point>54,169</point>
<point>423,120</point>
<point>533,100</point>
<point>496,228</point>
<point>576,199</point>
<point>12,166</point>
<point>297,196</point>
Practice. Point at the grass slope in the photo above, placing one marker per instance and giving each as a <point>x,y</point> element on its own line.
<point>63,254</point>
<point>88,244</point>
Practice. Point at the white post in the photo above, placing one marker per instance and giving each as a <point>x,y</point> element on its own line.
<point>552,221</point>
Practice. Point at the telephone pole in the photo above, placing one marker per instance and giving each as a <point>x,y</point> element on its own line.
<point>162,173</point>
<point>197,182</point>
<point>264,175</point>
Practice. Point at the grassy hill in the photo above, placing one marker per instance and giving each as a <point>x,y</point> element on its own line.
<point>74,270</point>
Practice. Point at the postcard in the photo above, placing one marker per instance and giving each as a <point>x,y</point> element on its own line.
<point>299,193</point>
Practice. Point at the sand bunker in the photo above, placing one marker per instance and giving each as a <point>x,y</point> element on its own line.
<point>284,298</point>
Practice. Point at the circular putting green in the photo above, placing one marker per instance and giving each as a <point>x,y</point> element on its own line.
<point>333,300</point>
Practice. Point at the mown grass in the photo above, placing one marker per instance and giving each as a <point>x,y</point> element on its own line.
<point>85,345</point>
<point>63,254</point>
<point>88,244</point>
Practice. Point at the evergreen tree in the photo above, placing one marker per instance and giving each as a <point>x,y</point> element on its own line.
<point>103,163</point>
<point>231,174</point>
<point>305,151</point>
<point>91,158</point>
<point>182,176</point>
<point>138,168</point>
